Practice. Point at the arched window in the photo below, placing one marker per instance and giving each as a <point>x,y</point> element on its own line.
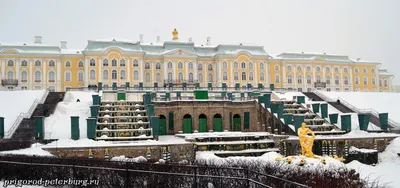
<point>308,69</point>
<point>114,62</point>
<point>365,80</point>
<point>235,65</point>
<point>327,69</point>
<point>261,76</point>
<point>328,80</point>
<point>170,65</point>
<point>80,64</point>
<point>345,70</point>
<point>336,69</point>
<point>38,76</point>
<point>114,75</point>
<point>135,63</point>
<point>122,62</point>
<point>10,75</point>
<point>364,70</point>
<point>52,76</point>
<point>309,79</point>
<point>277,78</point>
<point>200,67</point>
<point>289,68</point>
<point>105,62</point>
<point>80,76</point>
<point>38,63</point>
<point>158,77</point>
<point>236,76</point>
<point>24,63</point>
<point>345,80</point>
<point>224,65</point>
<point>298,68</point>
<point>250,65</point>
<point>373,70</point>
<point>289,79</point>
<point>319,79</point>
<point>385,82</point>
<point>337,79</point>
<point>147,65</point>
<point>24,76</point>
<point>10,63</point>
<point>357,80</point>
<point>243,65</point>
<point>170,76</point>
<point>92,62</point>
<point>135,75</point>
<point>251,77</point>
<point>190,65</point>
<point>180,77</point>
<point>67,64</point>
<point>200,77</point>
<point>356,70</point>
<point>299,79</point>
<point>105,74</point>
<point>210,67</point>
<point>122,75</point>
<point>190,77</point>
<point>261,65</point>
<point>147,77</point>
<point>92,74</point>
<point>158,66</point>
<point>276,67</point>
<point>51,63</point>
<point>67,76</point>
<point>373,81</point>
<point>243,76</point>
<point>180,65</point>
<point>318,69</point>
<point>210,77</point>
<point>225,76</point>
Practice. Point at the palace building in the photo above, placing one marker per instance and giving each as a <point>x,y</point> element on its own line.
<point>122,62</point>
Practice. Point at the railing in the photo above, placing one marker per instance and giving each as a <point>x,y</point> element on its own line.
<point>181,81</point>
<point>13,82</point>
<point>393,124</point>
<point>189,88</point>
<point>28,114</point>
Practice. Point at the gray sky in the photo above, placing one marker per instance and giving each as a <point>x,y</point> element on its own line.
<point>368,29</point>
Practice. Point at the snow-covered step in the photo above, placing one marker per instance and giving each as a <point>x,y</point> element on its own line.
<point>235,142</point>
<point>124,130</point>
<point>123,123</point>
<point>124,138</point>
<point>111,111</point>
<point>121,117</point>
<point>247,152</point>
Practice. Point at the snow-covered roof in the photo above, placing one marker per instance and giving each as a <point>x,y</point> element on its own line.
<point>25,48</point>
<point>384,72</point>
<point>71,51</point>
<point>324,56</point>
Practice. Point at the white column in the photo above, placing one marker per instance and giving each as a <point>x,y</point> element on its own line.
<point>232,70</point>
<point>141,72</point>
<point>218,73</point>
<point>128,69</point>
<point>313,79</point>
<point>165,70</point>
<point>341,81</point>
<point>267,73</point>
<point>17,63</point>
<point>256,78</point>
<point>304,78</point>
<point>186,76</point>
<point>58,74</point>
<point>152,76</point>
<point>87,76</point>
<point>174,70</point>
<point>44,81</point>
<point>284,77</point>
<point>195,70</point>
<point>100,70</point>
<point>351,79</point>
<point>31,81</point>
<point>333,78</point>
<point>323,75</point>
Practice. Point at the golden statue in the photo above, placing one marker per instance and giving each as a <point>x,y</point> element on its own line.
<point>175,34</point>
<point>306,141</point>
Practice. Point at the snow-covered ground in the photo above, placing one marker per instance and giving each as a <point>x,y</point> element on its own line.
<point>381,102</point>
<point>58,125</point>
<point>15,102</point>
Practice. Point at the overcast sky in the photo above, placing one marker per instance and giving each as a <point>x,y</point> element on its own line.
<point>366,29</point>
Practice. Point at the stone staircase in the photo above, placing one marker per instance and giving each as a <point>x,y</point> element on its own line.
<point>123,120</point>
<point>25,130</point>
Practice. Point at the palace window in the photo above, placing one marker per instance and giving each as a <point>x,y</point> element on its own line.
<point>180,65</point>
<point>235,65</point>
<point>224,65</point>
<point>158,77</point>
<point>114,62</point>
<point>277,78</point>
<point>180,77</point>
<point>337,80</point>
<point>24,76</point>
<point>336,69</point>
<point>261,76</point>
<point>373,81</point>
<point>250,65</point>
<point>373,70</point>
<point>346,80</point>
<point>52,76</point>
<point>38,63</point>
<point>10,75</point>
<point>38,76</point>
<point>147,77</point>
<point>67,76</point>
<point>289,79</point>
<point>114,75</point>
<point>309,79</point>
<point>318,69</point>
<point>210,77</point>
<point>105,74</point>
<point>276,67</point>
<point>67,64</point>
<point>210,67</point>
<point>365,80</point>
<point>190,77</point>
<point>190,65</point>
<point>289,68</point>
<point>299,79</point>
<point>170,76</point>
<point>308,68</point>
<point>51,63</point>
<point>345,70</point>
<point>80,76</point>
<point>243,76</point>
<point>200,67</point>
<point>147,65</point>
<point>135,75</point>
<point>92,74</point>
<point>92,62</point>
<point>385,82</point>
<point>24,63</point>
<point>105,62</point>
<point>357,80</point>
<point>328,80</point>
<point>122,75</point>
<point>135,63</point>
<point>319,79</point>
<point>200,77</point>
<point>261,65</point>
<point>236,76</point>
<point>356,70</point>
<point>80,64</point>
<point>243,65</point>
<point>380,83</point>
<point>251,77</point>
<point>10,63</point>
<point>298,68</point>
<point>364,70</point>
<point>225,76</point>
<point>158,66</point>
<point>170,65</point>
<point>327,69</point>
<point>122,62</point>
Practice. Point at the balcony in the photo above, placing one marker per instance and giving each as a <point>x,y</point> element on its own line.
<point>9,82</point>
<point>320,84</point>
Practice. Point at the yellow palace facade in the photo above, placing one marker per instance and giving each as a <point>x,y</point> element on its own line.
<point>38,66</point>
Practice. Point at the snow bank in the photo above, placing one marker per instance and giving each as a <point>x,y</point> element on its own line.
<point>353,149</point>
<point>122,158</point>
<point>379,101</point>
<point>15,102</point>
<point>35,149</point>
<point>58,125</point>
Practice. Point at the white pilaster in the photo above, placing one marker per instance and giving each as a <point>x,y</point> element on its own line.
<point>267,73</point>
<point>141,72</point>
<point>284,77</point>
<point>128,69</point>
<point>256,78</point>
<point>58,75</point>
<point>341,80</point>
<point>333,79</point>
<point>232,67</point>
<point>165,70</point>
<point>30,79</point>
<point>186,76</point>
<point>351,79</point>
<point>44,77</point>
<point>100,71</point>
<point>195,70</point>
<point>304,68</point>
<point>17,63</point>
<point>87,76</point>
<point>218,74</point>
<point>152,76</point>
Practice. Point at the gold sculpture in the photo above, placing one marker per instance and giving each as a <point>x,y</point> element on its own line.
<point>306,141</point>
<point>175,34</point>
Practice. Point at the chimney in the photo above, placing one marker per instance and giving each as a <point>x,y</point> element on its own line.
<point>38,40</point>
<point>63,44</point>
<point>190,39</point>
<point>158,39</point>
<point>208,40</point>
<point>141,38</point>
